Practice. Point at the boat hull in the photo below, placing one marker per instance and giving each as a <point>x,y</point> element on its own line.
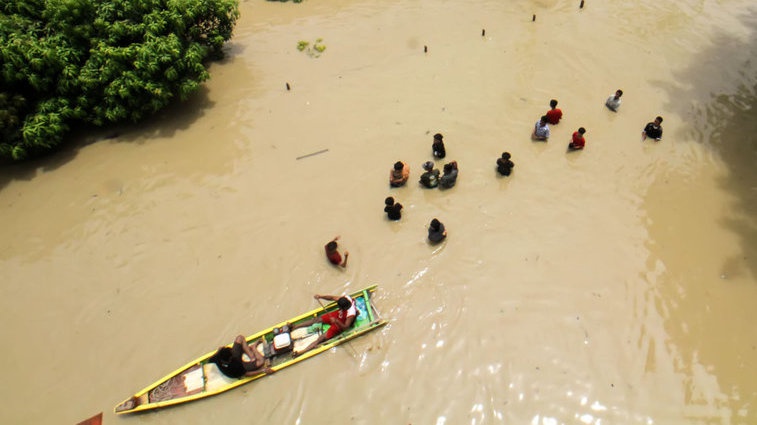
<point>200,378</point>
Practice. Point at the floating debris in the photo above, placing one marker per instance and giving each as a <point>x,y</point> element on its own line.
<point>313,154</point>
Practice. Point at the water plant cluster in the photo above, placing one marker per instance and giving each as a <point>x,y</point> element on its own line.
<point>314,49</point>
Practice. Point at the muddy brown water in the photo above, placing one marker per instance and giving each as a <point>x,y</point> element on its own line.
<point>613,285</point>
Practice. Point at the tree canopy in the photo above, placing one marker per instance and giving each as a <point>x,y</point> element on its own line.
<point>99,62</point>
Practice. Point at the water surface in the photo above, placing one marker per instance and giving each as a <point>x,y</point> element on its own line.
<point>606,286</point>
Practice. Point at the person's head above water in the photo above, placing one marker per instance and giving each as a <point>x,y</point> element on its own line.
<point>389,201</point>
<point>398,166</point>
<point>552,103</point>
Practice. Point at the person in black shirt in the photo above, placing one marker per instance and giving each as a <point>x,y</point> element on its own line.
<point>438,146</point>
<point>392,209</point>
<point>504,165</point>
<point>653,130</point>
<point>231,364</point>
<point>429,179</point>
<point>436,231</point>
<point>450,175</point>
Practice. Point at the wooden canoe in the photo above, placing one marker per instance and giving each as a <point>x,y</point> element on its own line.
<point>201,378</point>
<point>94,420</point>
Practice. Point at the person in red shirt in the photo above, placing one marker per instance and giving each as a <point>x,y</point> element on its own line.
<point>333,254</point>
<point>554,114</point>
<point>578,141</point>
<point>338,320</point>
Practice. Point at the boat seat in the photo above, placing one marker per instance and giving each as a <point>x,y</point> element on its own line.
<point>193,380</point>
<point>214,378</point>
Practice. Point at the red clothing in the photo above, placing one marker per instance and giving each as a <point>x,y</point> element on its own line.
<point>578,140</point>
<point>554,115</point>
<point>334,257</point>
<point>340,314</point>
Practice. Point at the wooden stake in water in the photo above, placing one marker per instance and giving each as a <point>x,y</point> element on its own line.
<point>581,6</point>
<point>313,154</point>
<point>288,87</point>
<point>425,49</point>
<point>483,32</point>
<point>533,19</point>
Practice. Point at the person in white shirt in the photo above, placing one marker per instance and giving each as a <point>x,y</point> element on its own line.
<point>613,102</point>
<point>541,130</point>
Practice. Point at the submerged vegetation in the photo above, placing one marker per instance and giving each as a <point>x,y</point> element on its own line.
<point>99,62</point>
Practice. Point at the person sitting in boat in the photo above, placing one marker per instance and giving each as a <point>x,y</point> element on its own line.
<point>229,359</point>
<point>338,320</point>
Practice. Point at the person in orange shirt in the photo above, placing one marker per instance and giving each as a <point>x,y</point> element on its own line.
<point>554,114</point>
<point>399,174</point>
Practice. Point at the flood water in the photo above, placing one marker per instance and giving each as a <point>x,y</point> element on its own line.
<point>608,286</point>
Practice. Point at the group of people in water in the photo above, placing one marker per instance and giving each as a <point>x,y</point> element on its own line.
<point>541,131</point>
<point>229,359</point>
<point>431,178</point>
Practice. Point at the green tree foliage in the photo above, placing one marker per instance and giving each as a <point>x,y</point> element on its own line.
<point>99,62</point>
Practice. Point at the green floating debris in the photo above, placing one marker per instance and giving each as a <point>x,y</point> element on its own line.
<point>313,50</point>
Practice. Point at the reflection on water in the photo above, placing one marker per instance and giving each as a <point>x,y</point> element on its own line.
<point>709,286</point>
<point>613,286</point>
